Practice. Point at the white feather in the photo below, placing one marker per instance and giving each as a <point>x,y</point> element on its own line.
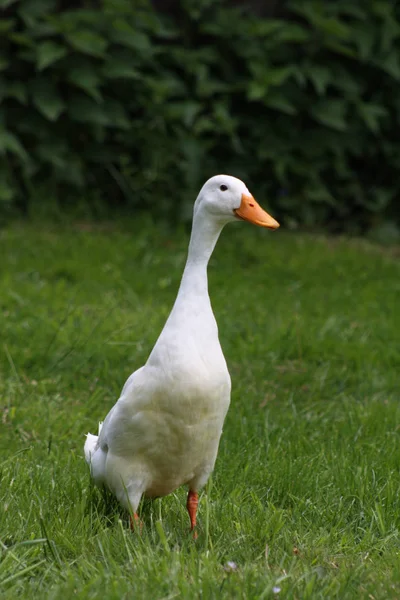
<point>164,430</point>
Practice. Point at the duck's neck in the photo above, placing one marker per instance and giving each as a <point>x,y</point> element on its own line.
<point>205,233</point>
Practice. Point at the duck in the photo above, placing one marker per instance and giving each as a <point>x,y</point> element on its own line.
<point>164,430</point>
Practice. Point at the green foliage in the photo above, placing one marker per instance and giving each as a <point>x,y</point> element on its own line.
<point>119,103</point>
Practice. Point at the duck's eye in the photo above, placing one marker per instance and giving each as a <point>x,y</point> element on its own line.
<point>223,188</point>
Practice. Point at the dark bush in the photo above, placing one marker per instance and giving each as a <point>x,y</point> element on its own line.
<point>121,104</point>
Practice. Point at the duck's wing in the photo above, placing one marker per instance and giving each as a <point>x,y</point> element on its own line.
<point>120,431</point>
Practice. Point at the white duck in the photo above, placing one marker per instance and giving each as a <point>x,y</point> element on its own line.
<point>164,430</point>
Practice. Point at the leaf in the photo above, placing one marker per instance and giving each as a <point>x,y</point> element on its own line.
<point>318,192</point>
<point>34,9</point>
<point>266,77</point>
<point>27,54</point>
<point>71,172</point>
<point>4,63</point>
<point>299,76</point>
<point>33,124</point>
<point>45,29</point>
<point>345,80</point>
<point>330,26</point>
<point>391,64</point>
<point>167,86</point>
<point>166,31</point>
<point>342,49</point>
<point>320,77</point>
<point>21,39</point>
<point>48,53</point>
<point>6,3</point>
<point>183,111</point>
<point>17,90</point>
<point>124,34</point>
<point>331,113</point>
<point>118,65</point>
<point>371,115</point>
<point>9,142</point>
<point>334,27</point>
<point>203,125</point>
<point>390,32</point>
<point>206,87</point>
<point>84,110</point>
<point>223,117</point>
<point>52,152</point>
<point>88,42</point>
<point>99,153</point>
<point>354,11</point>
<point>86,78</point>
<point>270,75</point>
<point>7,192</point>
<point>278,101</point>
<point>46,99</point>
<point>256,90</point>
<point>294,33</point>
<point>364,39</point>
<point>265,27</point>
<point>118,116</point>
<point>382,9</point>
<point>378,198</point>
<point>94,18</point>
<point>7,25</point>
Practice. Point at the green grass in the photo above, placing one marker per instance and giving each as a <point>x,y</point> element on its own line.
<point>305,494</point>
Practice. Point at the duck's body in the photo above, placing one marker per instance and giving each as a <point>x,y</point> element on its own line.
<point>164,431</point>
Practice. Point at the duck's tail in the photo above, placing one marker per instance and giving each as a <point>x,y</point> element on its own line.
<point>91,445</point>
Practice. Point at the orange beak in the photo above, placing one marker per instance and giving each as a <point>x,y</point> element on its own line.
<point>250,210</point>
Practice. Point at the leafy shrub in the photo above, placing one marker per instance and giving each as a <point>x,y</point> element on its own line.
<point>122,104</point>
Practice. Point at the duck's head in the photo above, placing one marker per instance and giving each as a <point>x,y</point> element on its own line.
<point>227,199</point>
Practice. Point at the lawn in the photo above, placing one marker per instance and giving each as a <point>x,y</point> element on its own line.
<point>305,498</point>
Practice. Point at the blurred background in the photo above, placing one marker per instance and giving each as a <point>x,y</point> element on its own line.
<point>128,106</point>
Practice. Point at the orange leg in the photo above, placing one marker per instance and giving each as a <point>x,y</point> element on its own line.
<point>135,523</point>
<point>191,505</point>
